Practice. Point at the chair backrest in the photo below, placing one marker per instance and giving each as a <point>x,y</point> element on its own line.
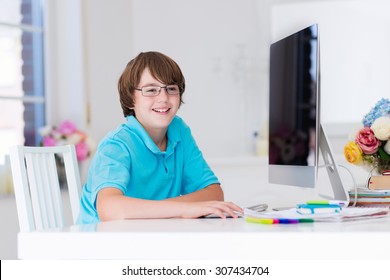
<point>37,188</point>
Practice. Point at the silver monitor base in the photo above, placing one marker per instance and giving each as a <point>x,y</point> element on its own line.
<point>339,191</point>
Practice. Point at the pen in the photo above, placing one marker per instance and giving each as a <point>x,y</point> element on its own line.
<point>328,202</point>
<point>288,221</point>
<point>306,220</point>
<point>268,221</point>
<point>318,208</point>
<point>264,221</point>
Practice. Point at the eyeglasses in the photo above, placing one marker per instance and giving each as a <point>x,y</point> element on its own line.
<point>155,90</point>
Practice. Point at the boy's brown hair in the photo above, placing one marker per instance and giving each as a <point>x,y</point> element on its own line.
<point>161,67</point>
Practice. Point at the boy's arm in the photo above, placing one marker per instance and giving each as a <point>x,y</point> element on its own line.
<point>113,205</point>
<point>211,192</point>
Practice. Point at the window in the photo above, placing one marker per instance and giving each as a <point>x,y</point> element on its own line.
<point>22,95</point>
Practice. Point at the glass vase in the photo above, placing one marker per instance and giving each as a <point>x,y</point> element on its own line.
<point>382,166</point>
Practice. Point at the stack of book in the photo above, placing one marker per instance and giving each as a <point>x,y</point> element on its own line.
<point>370,198</point>
<point>376,194</point>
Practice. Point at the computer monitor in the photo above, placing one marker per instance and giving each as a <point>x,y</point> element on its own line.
<point>296,136</point>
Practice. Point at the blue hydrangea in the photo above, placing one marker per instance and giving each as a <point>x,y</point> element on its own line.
<point>381,108</point>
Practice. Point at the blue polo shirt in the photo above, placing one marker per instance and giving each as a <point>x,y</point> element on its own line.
<point>129,160</point>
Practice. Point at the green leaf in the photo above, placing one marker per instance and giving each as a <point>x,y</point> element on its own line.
<point>382,154</point>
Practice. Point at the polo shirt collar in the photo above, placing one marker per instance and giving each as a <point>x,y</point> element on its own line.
<point>173,135</point>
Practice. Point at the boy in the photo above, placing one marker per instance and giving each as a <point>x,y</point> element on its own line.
<point>151,167</point>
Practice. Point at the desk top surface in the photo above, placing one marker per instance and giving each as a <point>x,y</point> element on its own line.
<point>209,225</point>
<point>207,238</point>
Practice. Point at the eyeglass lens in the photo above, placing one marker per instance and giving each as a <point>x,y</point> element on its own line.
<point>155,90</point>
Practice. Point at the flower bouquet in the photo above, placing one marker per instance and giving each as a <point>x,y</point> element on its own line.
<point>371,146</point>
<point>67,133</point>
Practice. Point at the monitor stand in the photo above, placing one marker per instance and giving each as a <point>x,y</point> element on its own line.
<point>339,191</point>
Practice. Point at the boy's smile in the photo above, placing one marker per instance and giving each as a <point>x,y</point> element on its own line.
<point>161,110</point>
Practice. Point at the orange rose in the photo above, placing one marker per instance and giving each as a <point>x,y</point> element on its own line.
<point>353,153</point>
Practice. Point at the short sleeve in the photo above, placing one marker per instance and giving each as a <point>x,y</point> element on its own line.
<point>196,172</point>
<point>110,167</point>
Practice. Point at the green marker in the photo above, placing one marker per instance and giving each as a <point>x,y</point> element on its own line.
<point>328,202</point>
<point>306,220</point>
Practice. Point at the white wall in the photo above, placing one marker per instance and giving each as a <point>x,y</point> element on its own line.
<point>64,65</point>
<point>354,46</point>
<point>222,47</point>
<point>108,39</point>
<point>217,45</point>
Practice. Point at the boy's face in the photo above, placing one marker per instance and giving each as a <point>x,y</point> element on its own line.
<point>155,113</point>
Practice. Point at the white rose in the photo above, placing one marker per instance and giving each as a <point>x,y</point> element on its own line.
<point>381,128</point>
<point>386,147</point>
<point>74,138</point>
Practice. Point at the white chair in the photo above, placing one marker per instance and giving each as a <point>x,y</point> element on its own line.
<point>37,189</point>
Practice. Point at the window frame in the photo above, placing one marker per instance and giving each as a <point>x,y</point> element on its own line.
<point>33,13</point>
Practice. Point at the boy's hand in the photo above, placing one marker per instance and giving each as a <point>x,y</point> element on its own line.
<point>221,209</point>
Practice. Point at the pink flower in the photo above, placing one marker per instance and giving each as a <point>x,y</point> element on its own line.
<point>66,128</point>
<point>81,151</point>
<point>49,141</point>
<point>367,141</point>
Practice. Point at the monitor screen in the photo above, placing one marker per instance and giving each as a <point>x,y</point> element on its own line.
<point>294,109</point>
<point>296,136</point>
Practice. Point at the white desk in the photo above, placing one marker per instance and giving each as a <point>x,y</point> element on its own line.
<point>199,239</point>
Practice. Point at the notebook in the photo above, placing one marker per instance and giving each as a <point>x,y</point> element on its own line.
<point>346,214</point>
